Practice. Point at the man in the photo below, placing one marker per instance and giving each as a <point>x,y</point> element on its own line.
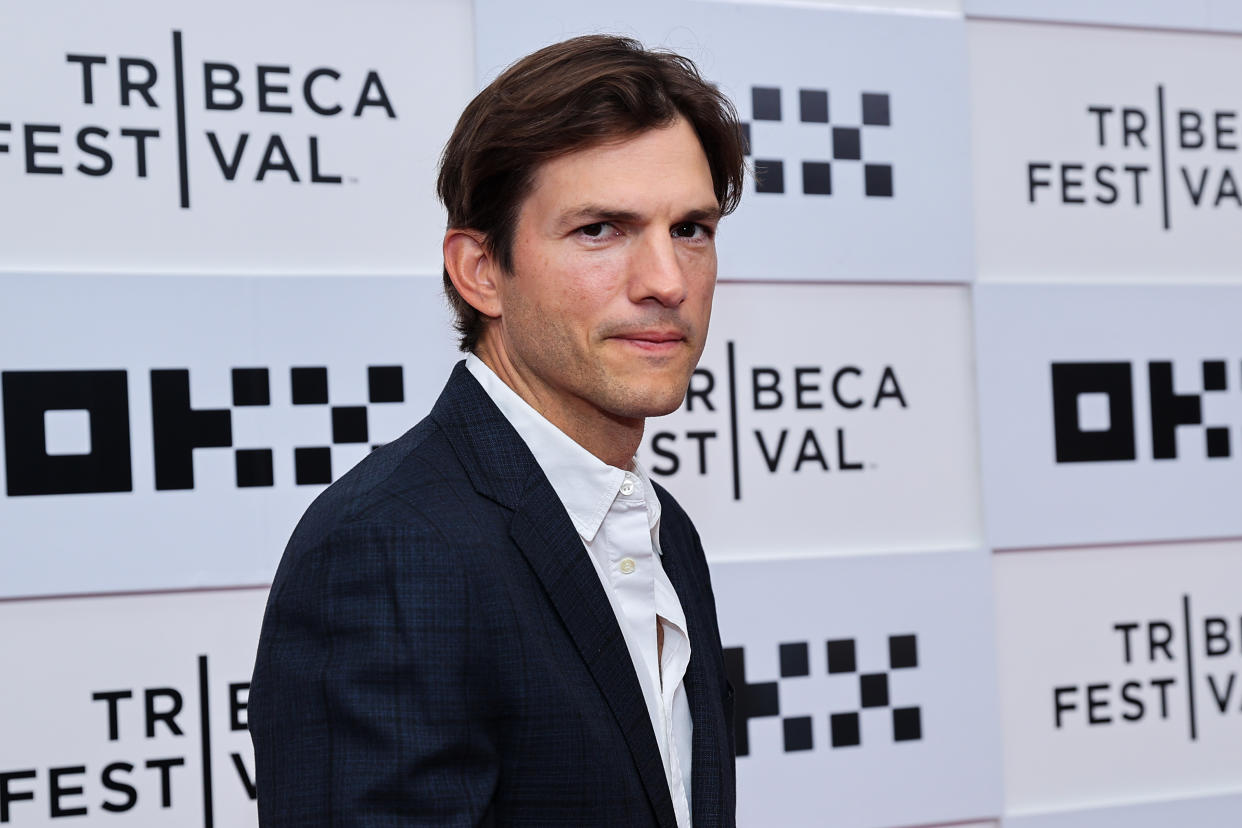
<point>498,618</point>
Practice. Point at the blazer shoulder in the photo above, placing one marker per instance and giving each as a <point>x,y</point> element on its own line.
<point>414,481</point>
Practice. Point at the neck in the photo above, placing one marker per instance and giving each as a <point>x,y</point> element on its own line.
<point>610,438</point>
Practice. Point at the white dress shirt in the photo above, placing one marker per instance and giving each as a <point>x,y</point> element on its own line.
<point>617,515</point>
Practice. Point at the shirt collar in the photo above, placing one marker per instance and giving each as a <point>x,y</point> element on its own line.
<point>586,485</point>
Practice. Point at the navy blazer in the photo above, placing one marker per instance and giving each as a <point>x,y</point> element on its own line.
<point>438,650</point>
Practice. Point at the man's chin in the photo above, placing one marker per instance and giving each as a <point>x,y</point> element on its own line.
<point>652,400</point>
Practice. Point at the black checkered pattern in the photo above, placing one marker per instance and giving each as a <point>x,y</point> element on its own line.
<point>844,143</point>
<point>253,466</point>
<point>762,699</point>
<point>312,465</point>
<point>845,727</point>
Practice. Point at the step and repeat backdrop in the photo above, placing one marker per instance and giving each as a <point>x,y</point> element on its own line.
<point>964,447</point>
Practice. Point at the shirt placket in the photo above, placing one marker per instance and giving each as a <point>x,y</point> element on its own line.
<point>632,570</point>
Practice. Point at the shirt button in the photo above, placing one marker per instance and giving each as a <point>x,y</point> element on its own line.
<point>627,486</point>
<point>627,566</point>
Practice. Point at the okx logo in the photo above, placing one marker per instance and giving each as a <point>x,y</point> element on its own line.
<point>1180,665</point>
<point>1094,409</point>
<point>876,715</point>
<point>69,432</point>
<point>205,109</point>
<point>1137,153</point>
<point>825,141</point>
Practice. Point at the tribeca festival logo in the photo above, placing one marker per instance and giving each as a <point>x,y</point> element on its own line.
<point>130,718</point>
<point>1094,409</point>
<point>1178,664</point>
<point>150,88</point>
<point>68,432</point>
<point>837,143</point>
<point>1140,172</point>
<point>796,410</point>
<point>883,718</point>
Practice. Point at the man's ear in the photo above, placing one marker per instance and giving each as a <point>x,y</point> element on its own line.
<point>473,270</point>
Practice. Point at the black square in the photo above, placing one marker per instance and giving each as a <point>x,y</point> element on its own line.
<point>349,424</point>
<point>874,688</point>
<point>841,656</point>
<point>744,130</point>
<point>1214,375</point>
<point>794,660</point>
<point>878,180</point>
<point>310,385</point>
<point>251,387</point>
<point>813,105</point>
<point>765,103</point>
<point>797,733</point>
<point>907,724</point>
<point>312,465</point>
<point>385,383</point>
<point>903,651</point>
<point>816,178</point>
<point>1070,380</point>
<point>844,728</point>
<point>254,467</point>
<point>769,176</point>
<point>875,109</point>
<point>846,143</point>
<point>1218,442</point>
<point>29,395</point>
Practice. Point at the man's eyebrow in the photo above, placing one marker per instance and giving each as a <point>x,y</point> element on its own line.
<point>591,213</point>
<point>703,214</point>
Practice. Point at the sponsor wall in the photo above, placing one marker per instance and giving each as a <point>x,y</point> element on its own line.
<point>139,717</point>
<point>783,405</point>
<point>188,399</point>
<point>962,447</point>
<point>279,137</point>
<point>1105,203</point>
<point>1118,161</point>
<point>879,670</point>
<point>1123,689</point>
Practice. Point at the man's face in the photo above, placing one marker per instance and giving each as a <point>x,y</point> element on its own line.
<point>606,310</point>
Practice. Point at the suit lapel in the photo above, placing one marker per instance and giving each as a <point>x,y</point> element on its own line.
<point>555,553</point>
<point>502,468</point>
<point>709,750</point>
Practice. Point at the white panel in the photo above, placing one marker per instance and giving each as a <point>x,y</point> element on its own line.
<point>918,6</point>
<point>90,669</point>
<point>107,520</point>
<point>879,643</point>
<point>363,200</point>
<point>827,418</point>
<point>1221,15</point>
<point>1119,677</point>
<point>1206,812</point>
<point>1088,160</point>
<point>913,64</point>
<point>1168,465</point>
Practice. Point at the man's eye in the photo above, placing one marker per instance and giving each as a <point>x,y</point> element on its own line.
<point>593,230</point>
<point>692,230</point>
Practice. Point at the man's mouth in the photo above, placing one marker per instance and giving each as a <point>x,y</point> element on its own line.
<point>652,340</point>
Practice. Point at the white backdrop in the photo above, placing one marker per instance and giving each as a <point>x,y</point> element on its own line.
<point>309,189</point>
<point>990,307</point>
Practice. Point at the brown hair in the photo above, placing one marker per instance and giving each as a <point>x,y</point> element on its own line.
<point>566,97</point>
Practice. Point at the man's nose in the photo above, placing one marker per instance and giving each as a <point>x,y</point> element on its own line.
<point>657,272</point>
